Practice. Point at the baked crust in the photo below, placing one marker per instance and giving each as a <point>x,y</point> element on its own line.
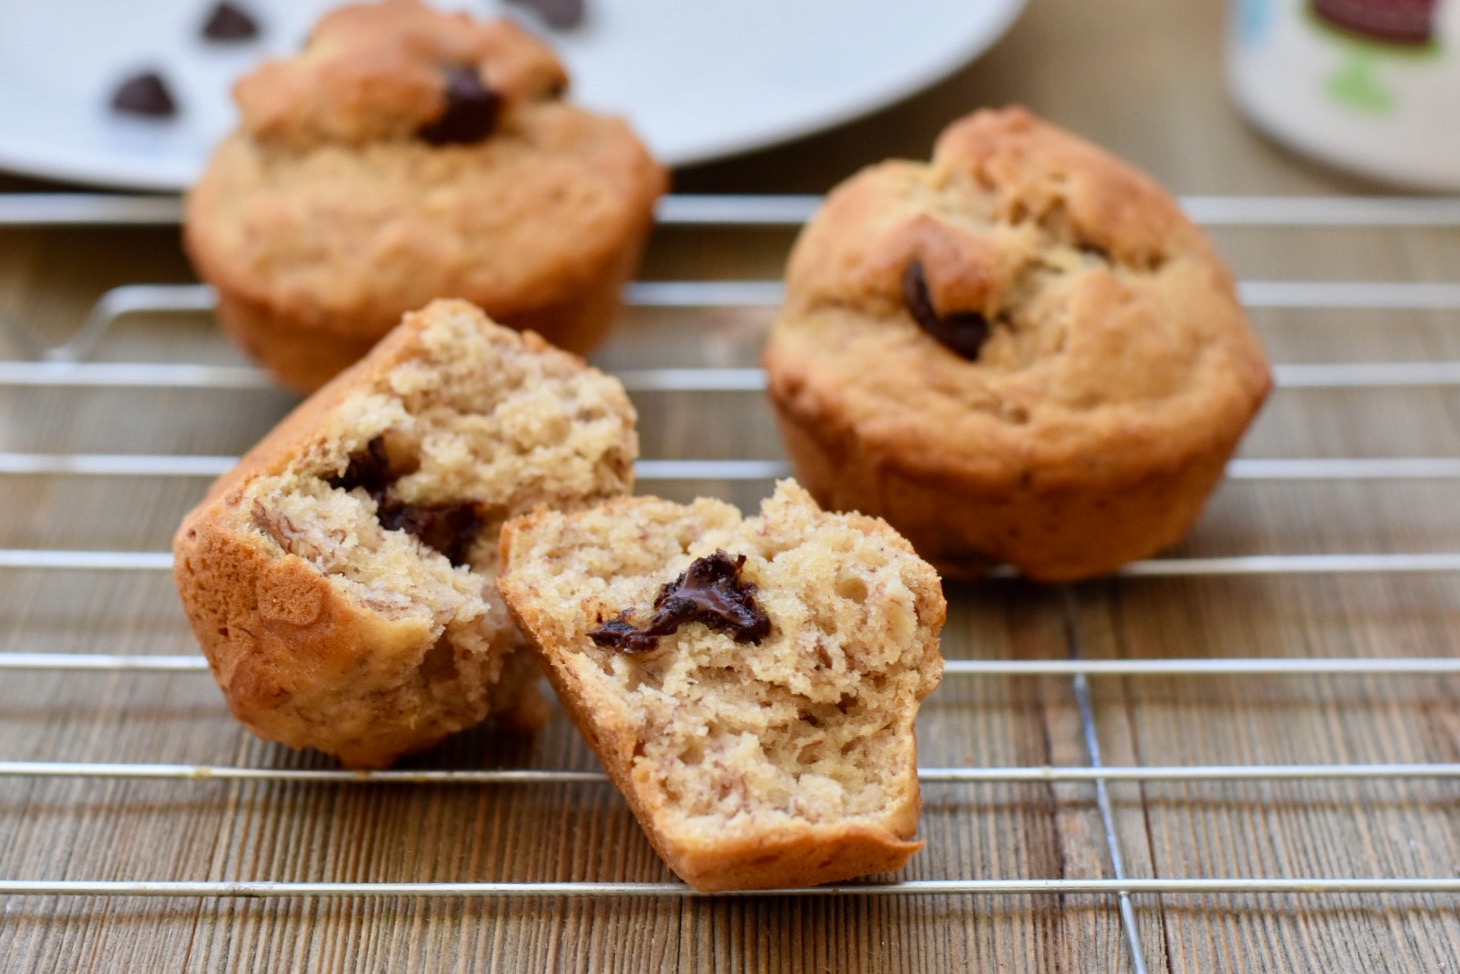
<point>325,217</point>
<point>371,73</point>
<point>790,762</point>
<point>1117,378</point>
<point>326,629</point>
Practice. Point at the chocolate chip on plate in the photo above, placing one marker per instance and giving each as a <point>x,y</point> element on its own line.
<point>144,94</point>
<point>710,591</point>
<point>471,110</point>
<point>962,332</point>
<point>560,14</point>
<point>227,22</point>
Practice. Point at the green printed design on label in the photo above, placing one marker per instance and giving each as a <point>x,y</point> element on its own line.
<point>1359,84</point>
<point>1356,86</point>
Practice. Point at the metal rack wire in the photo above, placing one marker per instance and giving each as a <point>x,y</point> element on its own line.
<point>67,365</point>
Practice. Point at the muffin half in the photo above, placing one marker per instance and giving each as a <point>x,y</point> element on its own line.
<point>341,579</point>
<point>750,684</point>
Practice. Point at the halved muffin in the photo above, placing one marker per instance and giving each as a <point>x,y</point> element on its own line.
<point>341,579</point>
<point>750,684</point>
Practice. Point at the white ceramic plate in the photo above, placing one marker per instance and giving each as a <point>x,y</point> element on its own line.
<point>700,79</point>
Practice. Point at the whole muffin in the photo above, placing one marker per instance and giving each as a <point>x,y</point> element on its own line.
<point>1020,352</point>
<point>341,578</point>
<point>405,155</point>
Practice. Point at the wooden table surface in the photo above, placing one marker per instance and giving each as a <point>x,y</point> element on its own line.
<point>1140,76</point>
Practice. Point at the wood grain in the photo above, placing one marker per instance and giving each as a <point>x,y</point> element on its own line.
<point>1142,78</point>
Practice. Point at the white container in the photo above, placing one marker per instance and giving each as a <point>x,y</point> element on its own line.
<point>1370,86</point>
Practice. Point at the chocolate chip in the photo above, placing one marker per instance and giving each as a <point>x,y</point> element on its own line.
<point>621,634</point>
<point>962,332</point>
<point>448,527</point>
<point>560,14</point>
<point>710,591</point>
<point>369,470</point>
<point>230,23</point>
<point>144,94</point>
<point>471,110</point>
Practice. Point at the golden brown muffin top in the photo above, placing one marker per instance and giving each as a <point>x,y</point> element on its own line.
<point>384,72</point>
<point>359,187</point>
<point>1073,322</point>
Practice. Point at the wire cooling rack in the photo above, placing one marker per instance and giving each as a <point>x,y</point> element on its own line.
<point>70,365</point>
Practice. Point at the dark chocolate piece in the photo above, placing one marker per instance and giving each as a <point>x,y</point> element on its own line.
<point>448,527</point>
<point>962,332</point>
<point>471,110</point>
<point>144,94</point>
<point>228,23</point>
<point>369,470</point>
<point>710,591</point>
<point>560,14</point>
<point>621,634</point>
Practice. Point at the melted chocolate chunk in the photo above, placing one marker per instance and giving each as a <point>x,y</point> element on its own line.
<point>560,14</point>
<point>449,527</point>
<point>230,23</point>
<point>144,94</point>
<point>471,110</point>
<point>620,634</point>
<point>369,470</point>
<point>962,332</point>
<point>710,591</point>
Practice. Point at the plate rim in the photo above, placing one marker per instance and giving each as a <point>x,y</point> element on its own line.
<point>28,157</point>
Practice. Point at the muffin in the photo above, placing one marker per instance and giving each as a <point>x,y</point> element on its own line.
<point>1021,352</point>
<point>750,684</point>
<point>406,155</point>
<point>341,578</point>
